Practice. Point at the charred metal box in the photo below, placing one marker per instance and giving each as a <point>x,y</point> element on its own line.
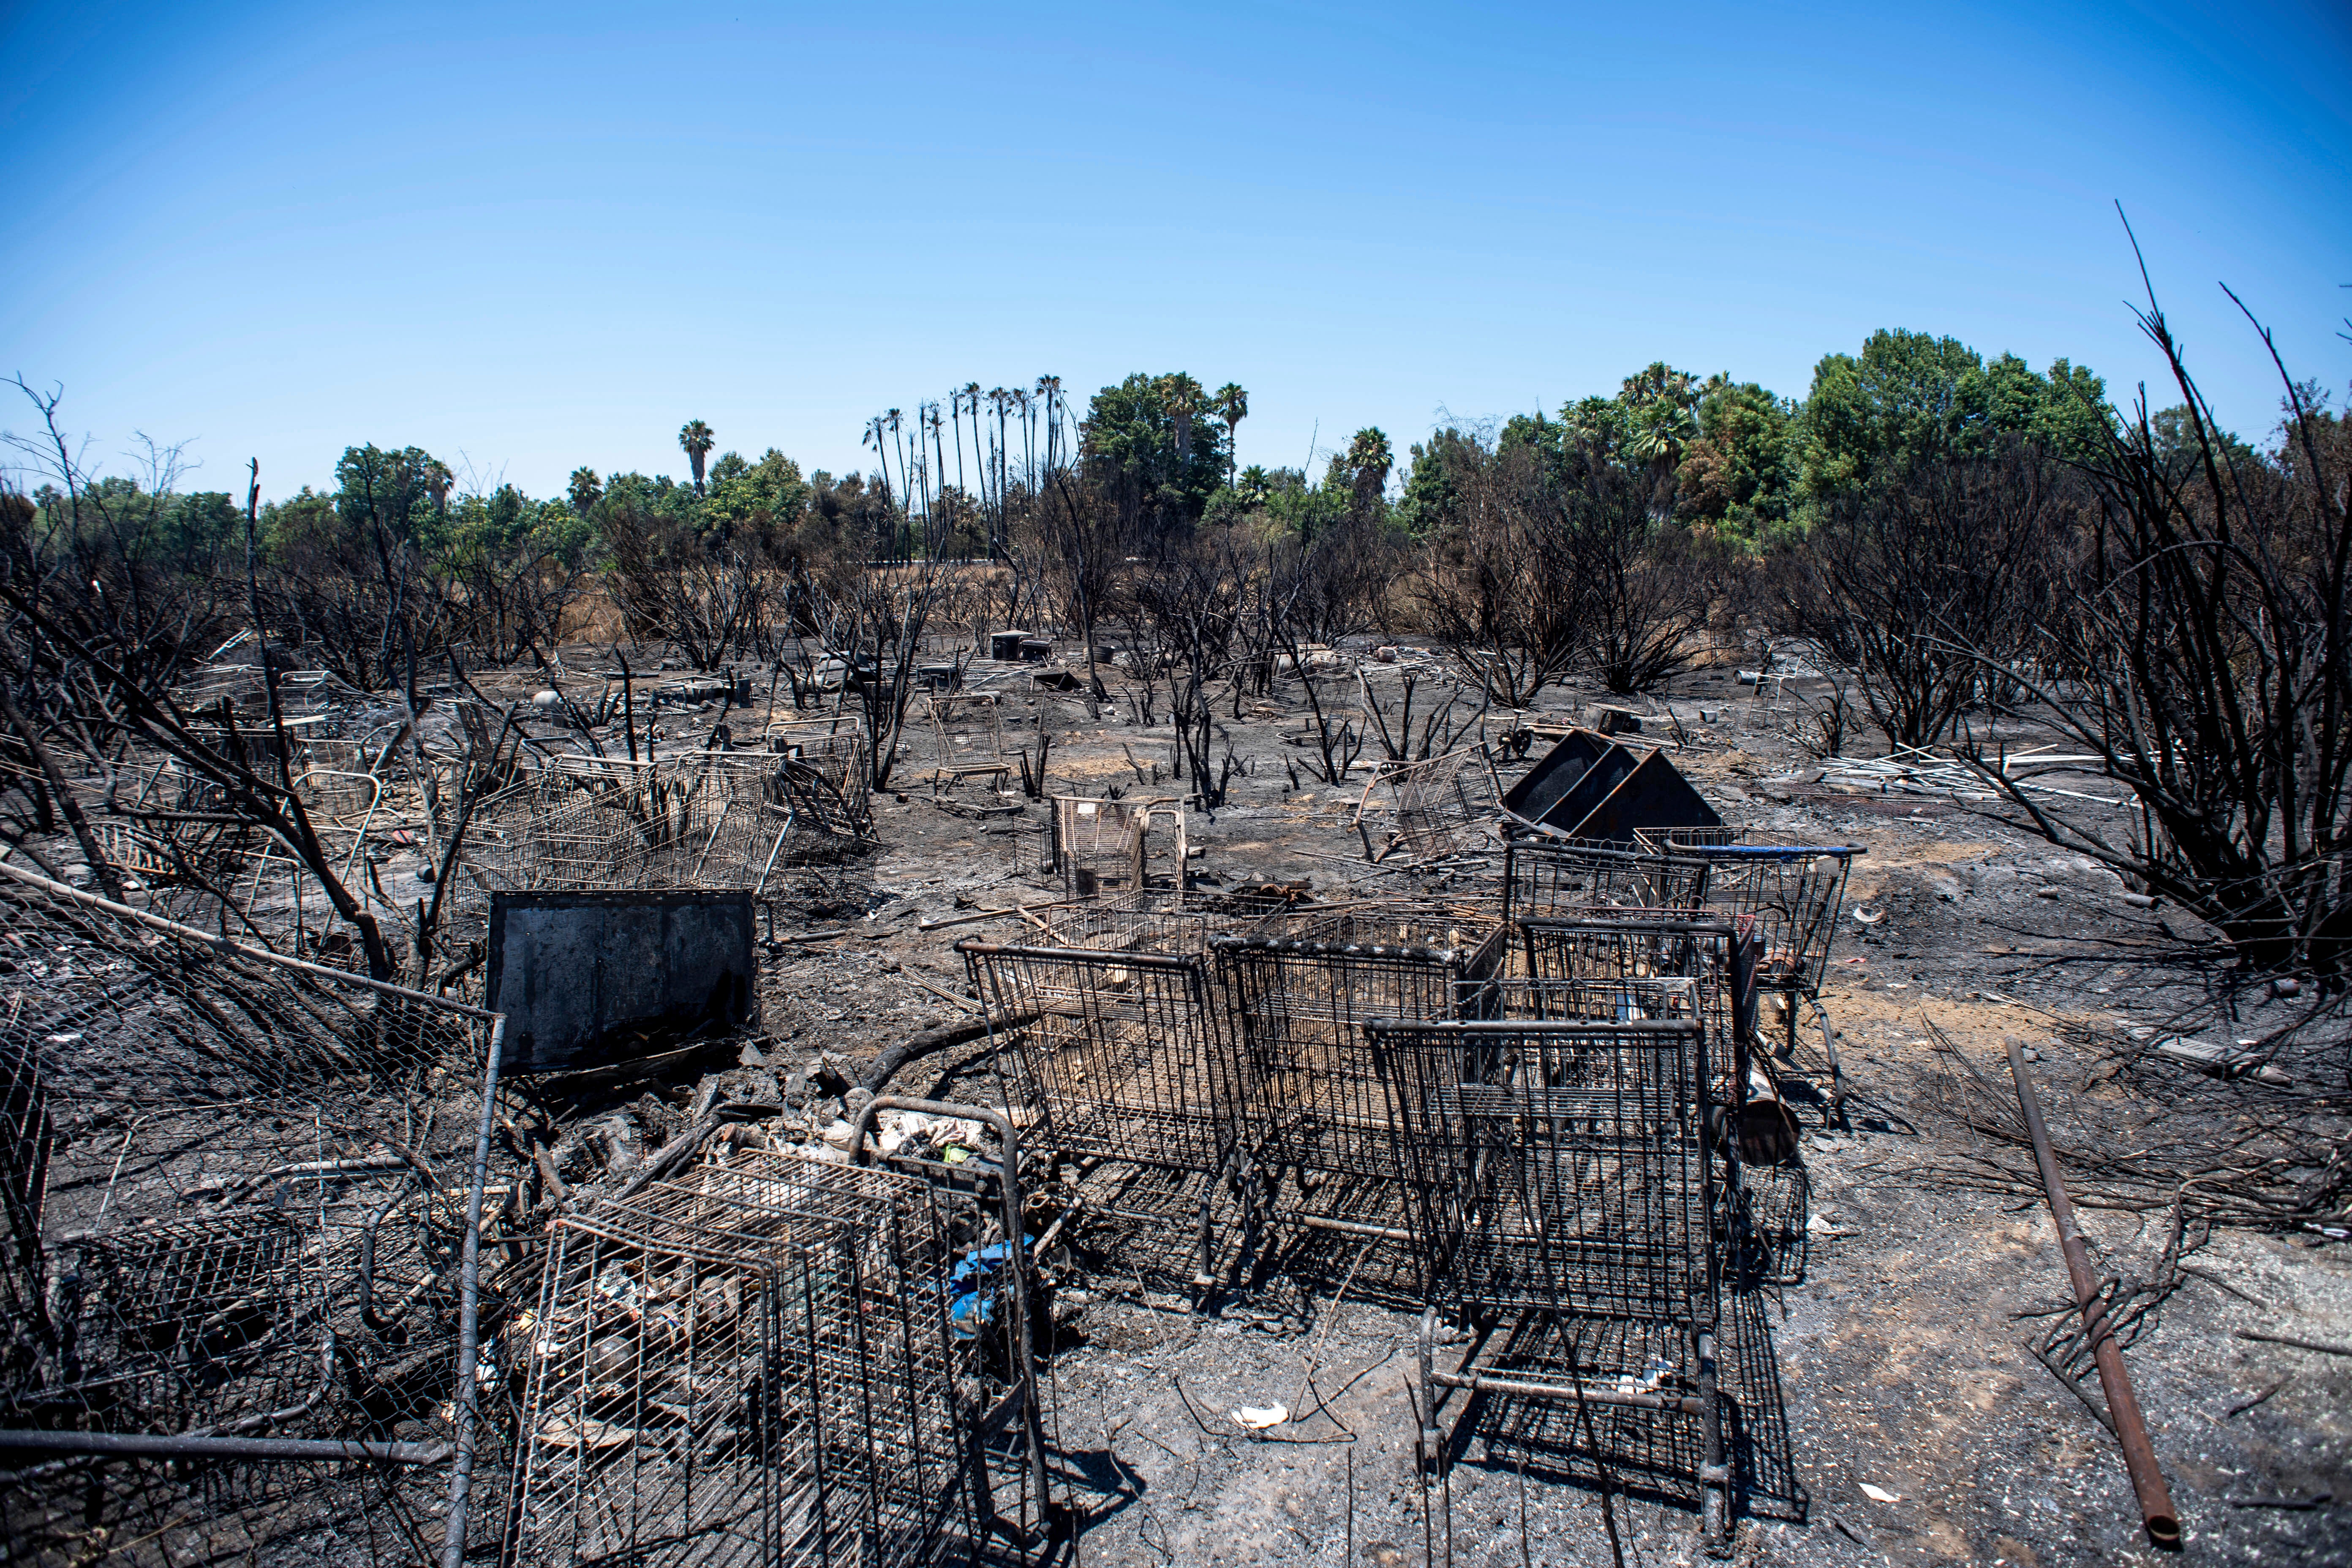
<point>589,978</point>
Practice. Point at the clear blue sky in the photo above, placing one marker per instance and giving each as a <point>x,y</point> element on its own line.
<point>530,237</point>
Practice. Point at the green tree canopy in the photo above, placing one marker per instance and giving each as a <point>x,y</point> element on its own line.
<point>1741,475</point>
<point>767,495</point>
<point>1907,395</point>
<point>388,488</point>
<point>1160,436</point>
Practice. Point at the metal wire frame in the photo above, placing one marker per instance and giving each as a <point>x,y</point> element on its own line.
<point>1665,967</point>
<point>259,1238</point>
<point>707,819</point>
<point>171,846</point>
<point>1794,892</point>
<point>749,1365</point>
<point>1118,1056</point>
<point>1555,1166</point>
<point>28,1135</point>
<point>1775,1203</point>
<point>976,709</point>
<point>1441,805</point>
<point>1544,878</point>
<point>1627,1403</point>
<point>1121,1063</point>
<point>1719,952</point>
<point>1299,987</point>
<point>1563,1189</point>
<point>1098,845</point>
<point>836,794</point>
<point>1148,919</point>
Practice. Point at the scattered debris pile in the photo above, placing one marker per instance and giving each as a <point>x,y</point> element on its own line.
<point>246,1197</point>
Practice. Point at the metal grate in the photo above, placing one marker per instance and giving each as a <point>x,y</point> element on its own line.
<point>752,1364</point>
<point>1118,1056</point>
<point>1793,892</point>
<point>1099,844</point>
<point>1442,806</point>
<point>717,820</point>
<point>1121,1067</point>
<point>1542,879</point>
<point>1720,954</point>
<point>1555,1166</point>
<point>1159,920</point>
<point>1300,987</point>
<point>1595,970</point>
<point>27,1135</point>
<point>254,1220</point>
<point>1565,1193</point>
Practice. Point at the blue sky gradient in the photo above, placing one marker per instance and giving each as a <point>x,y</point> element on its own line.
<point>528,237</point>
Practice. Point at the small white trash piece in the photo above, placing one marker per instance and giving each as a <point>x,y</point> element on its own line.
<point>1257,1419</point>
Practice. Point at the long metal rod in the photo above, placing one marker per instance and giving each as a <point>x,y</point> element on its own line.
<point>470,1393</point>
<point>166,1446</point>
<point>1487,1383</point>
<point>1346,1226</point>
<point>2131,1429</point>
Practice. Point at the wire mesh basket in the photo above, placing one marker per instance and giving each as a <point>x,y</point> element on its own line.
<point>712,820</point>
<point>1119,1066</point>
<point>1793,892</point>
<point>1440,806</point>
<point>1099,846</point>
<point>1118,1056</point>
<point>1556,1166</point>
<point>752,1363</point>
<point>1301,987</point>
<point>1562,1186</point>
<point>1542,879</point>
<point>1717,952</point>
<point>244,1191</point>
<point>1154,920</point>
<point>1704,969</point>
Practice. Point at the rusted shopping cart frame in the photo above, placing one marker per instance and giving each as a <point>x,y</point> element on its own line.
<point>1123,1062</point>
<point>1795,892</point>
<point>277,1239</point>
<point>1564,1189</point>
<point>1299,987</point>
<point>1543,878</point>
<point>758,1356</point>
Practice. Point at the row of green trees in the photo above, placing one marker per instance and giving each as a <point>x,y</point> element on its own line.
<point>1759,468</point>
<point>399,554</point>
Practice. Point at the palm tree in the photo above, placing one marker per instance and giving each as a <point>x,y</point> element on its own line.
<point>697,440</point>
<point>872,437</point>
<point>1049,394</point>
<point>1181,395</point>
<point>437,479</point>
<point>585,488</point>
<point>1232,405</point>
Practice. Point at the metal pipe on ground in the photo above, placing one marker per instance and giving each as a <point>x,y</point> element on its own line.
<point>2131,1429</point>
<point>168,1445</point>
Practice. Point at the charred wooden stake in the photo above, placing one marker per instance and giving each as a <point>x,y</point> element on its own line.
<point>2131,1430</point>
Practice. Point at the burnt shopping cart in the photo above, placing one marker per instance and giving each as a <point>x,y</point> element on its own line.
<point>1561,1181</point>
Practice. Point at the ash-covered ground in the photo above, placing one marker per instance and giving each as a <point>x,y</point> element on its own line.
<point>1891,1408</point>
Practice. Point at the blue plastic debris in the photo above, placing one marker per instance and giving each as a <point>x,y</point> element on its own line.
<point>972,1291</point>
